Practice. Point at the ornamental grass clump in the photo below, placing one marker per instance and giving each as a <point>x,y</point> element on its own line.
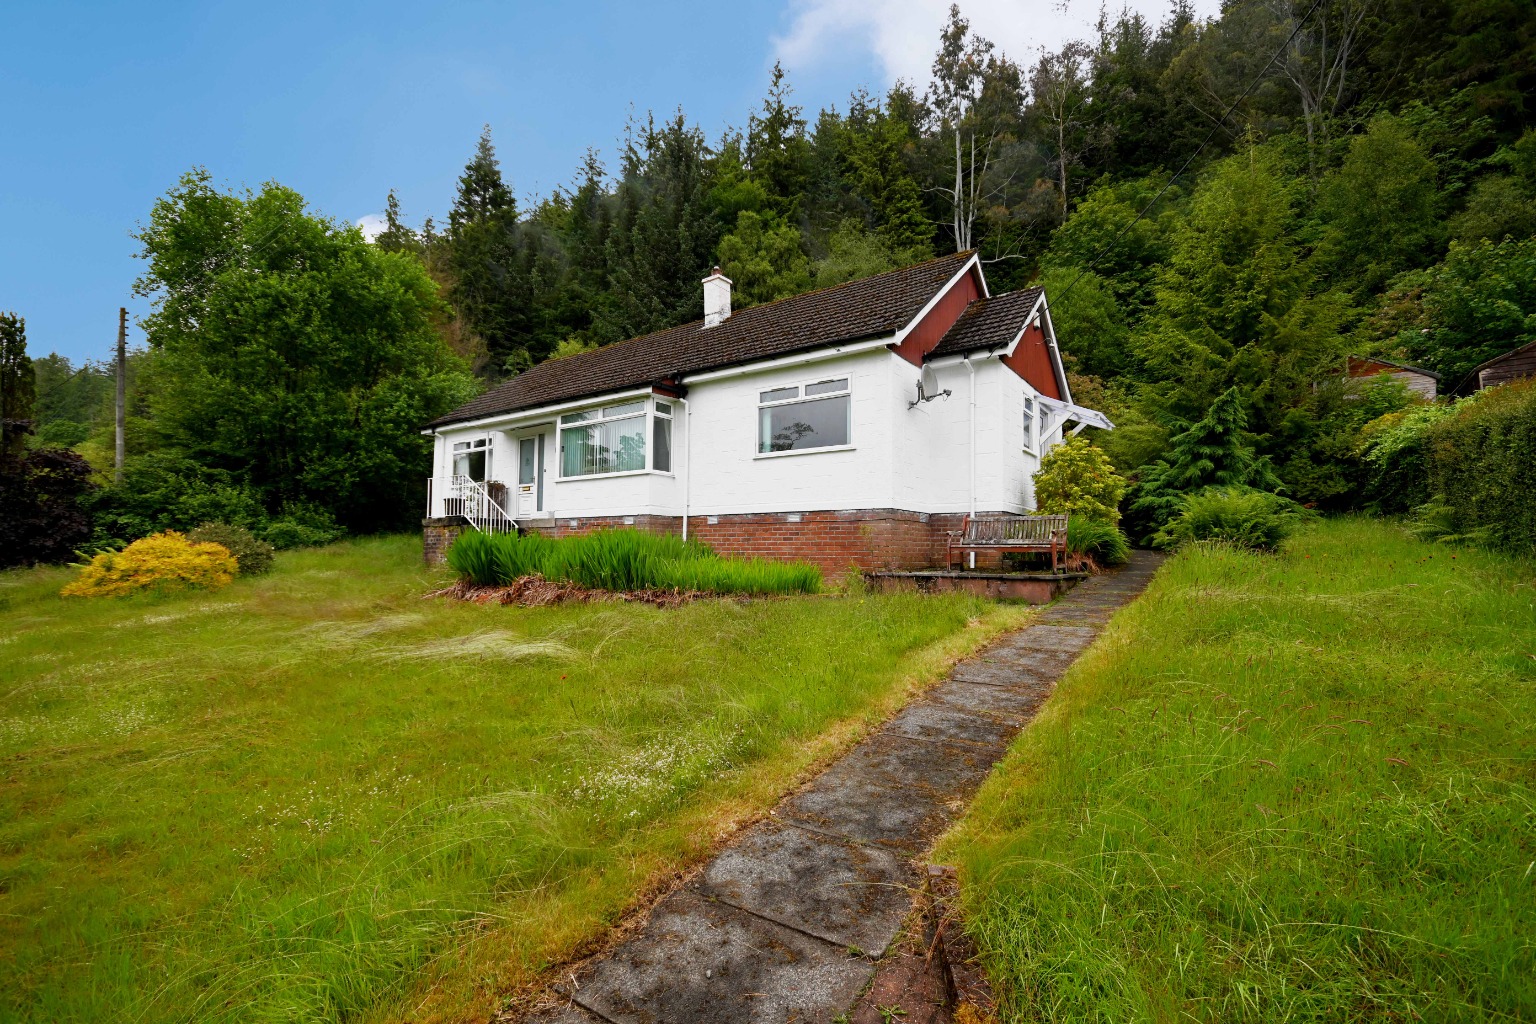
<point>164,561</point>
<point>624,560</point>
<point>1104,543</point>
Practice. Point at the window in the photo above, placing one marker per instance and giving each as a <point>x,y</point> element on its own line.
<point>794,419</point>
<point>470,458</point>
<point>1031,425</point>
<point>661,438</point>
<point>606,440</point>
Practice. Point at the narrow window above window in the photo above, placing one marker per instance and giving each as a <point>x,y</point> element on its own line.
<point>793,419</point>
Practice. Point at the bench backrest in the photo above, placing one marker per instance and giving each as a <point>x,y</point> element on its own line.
<point>998,529</point>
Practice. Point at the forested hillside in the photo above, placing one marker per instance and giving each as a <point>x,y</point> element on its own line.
<point>1216,207</point>
<point>1211,204</point>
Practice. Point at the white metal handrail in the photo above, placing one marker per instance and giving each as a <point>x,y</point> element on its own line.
<point>460,497</point>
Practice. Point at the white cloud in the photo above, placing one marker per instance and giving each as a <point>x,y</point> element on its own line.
<point>373,225</point>
<point>903,35</point>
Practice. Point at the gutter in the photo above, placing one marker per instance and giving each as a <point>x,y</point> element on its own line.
<point>538,412</point>
<point>815,356</point>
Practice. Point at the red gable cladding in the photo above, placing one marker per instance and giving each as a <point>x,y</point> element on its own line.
<point>1031,359</point>
<point>931,328</point>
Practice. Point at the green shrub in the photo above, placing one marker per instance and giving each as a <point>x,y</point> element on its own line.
<point>1078,479</point>
<point>1241,516</point>
<point>1481,461</point>
<point>1103,542</point>
<point>1439,521</point>
<point>1395,449</point>
<point>301,525</point>
<point>254,556</point>
<point>624,560</point>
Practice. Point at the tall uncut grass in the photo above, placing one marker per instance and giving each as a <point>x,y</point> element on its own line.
<point>1292,787</point>
<point>624,560</point>
<point>313,796</point>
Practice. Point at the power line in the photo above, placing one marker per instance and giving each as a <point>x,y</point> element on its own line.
<point>1220,123</point>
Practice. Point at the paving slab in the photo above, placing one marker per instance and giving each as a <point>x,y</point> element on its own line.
<point>771,930</point>
<point>1027,663</point>
<point>846,893</point>
<point>996,671</point>
<point>566,1013</point>
<point>940,722</point>
<point>708,963</point>
<point>1012,705</point>
<point>1066,639</point>
<point>891,791</point>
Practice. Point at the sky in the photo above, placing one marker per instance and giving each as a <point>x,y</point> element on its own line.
<point>104,105</point>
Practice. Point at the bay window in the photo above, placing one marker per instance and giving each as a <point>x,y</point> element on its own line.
<point>799,418</point>
<point>612,439</point>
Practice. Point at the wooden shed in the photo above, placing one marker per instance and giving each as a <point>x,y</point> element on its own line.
<point>1516,365</point>
<point>1424,382</point>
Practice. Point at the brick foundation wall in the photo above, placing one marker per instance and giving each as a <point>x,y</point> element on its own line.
<point>832,541</point>
<point>437,535</point>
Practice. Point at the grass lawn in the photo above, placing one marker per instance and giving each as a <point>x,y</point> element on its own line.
<point>1293,787</point>
<point>316,796</point>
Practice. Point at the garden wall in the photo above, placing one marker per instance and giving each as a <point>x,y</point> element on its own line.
<point>832,541</point>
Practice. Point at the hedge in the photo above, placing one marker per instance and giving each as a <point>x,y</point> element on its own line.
<point>1482,462</point>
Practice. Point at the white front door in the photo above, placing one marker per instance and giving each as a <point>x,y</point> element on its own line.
<point>530,475</point>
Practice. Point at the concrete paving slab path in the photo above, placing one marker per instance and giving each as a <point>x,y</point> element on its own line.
<point>789,922</point>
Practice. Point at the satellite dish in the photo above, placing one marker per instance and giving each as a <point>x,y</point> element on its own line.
<point>927,385</point>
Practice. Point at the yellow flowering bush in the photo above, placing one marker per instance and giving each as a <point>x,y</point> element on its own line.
<point>164,561</point>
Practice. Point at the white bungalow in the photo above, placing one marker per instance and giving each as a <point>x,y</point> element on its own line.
<point>856,425</point>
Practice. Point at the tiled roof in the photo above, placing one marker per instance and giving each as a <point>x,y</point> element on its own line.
<point>848,312</point>
<point>988,323</point>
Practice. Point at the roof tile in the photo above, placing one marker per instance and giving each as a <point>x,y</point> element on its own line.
<point>988,323</point>
<point>848,312</point>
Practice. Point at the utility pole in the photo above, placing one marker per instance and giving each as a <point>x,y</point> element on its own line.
<point>122,373</point>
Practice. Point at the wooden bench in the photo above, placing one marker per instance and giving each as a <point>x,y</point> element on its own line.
<point>1010,534</point>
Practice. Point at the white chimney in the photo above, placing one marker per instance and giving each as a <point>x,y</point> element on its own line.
<point>717,298</point>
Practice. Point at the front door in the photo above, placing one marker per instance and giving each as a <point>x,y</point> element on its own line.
<point>527,476</point>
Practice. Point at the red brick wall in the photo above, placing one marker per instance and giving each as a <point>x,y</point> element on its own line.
<point>872,538</point>
<point>833,541</point>
<point>437,535</point>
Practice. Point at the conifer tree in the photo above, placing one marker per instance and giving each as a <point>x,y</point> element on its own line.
<point>18,387</point>
<point>777,150</point>
<point>1216,451</point>
<point>396,237</point>
<point>489,275</point>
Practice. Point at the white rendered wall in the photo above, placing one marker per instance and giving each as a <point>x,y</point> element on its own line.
<point>934,465</point>
<point>914,459</point>
<point>730,476</point>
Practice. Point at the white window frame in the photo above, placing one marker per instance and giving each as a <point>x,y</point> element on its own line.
<point>649,413</point>
<point>1032,424</point>
<point>801,398</point>
<point>474,445</point>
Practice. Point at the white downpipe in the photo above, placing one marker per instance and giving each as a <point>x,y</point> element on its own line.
<point>972,447</point>
<point>687,460</point>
